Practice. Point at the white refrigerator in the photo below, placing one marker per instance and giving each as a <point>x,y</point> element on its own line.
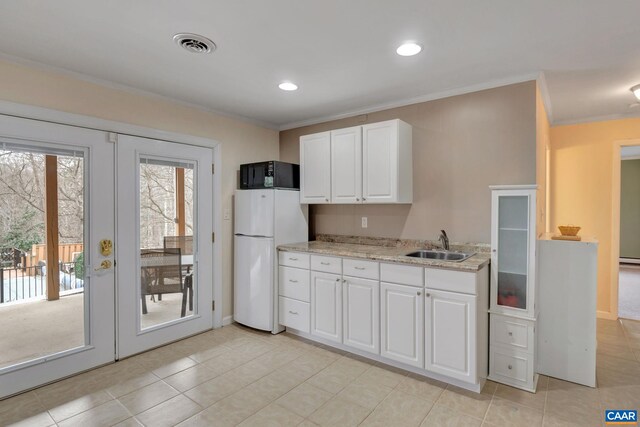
<point>263,220</point>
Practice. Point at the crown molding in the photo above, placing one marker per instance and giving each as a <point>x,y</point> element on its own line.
<point>130,89</point>
<point>590,119</point>
<point>414,100</point>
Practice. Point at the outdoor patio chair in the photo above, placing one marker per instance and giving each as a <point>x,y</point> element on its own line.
<point>161,273</point>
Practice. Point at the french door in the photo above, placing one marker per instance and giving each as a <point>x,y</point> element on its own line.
<point>57,206</point>
<point>164,242</point>
<point>105,248</point>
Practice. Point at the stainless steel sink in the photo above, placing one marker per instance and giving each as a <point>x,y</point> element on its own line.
<point>441,255</point>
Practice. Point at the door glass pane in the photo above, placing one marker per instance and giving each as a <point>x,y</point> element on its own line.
<point>167,229</point>
<point>513,244</point>
<point>42,265</point>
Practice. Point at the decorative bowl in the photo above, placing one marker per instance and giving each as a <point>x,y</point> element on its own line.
<point>569,230</point>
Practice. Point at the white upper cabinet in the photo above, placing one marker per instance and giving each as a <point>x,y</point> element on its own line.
<point>387,164</point>
<point>346,165</point>
<point>315,168</point>
<point>363,164</point>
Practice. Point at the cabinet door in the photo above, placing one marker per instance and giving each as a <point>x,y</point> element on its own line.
<point>315,168</point>
<point>346,165</point>
<point>450,324</point>
<point>513,252</point>
<point>326,306</point>
<point>402,324</point>
<point>361,313</point>
<point>380,162</point>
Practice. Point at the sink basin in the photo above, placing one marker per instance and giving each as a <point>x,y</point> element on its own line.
<point>441,255</point>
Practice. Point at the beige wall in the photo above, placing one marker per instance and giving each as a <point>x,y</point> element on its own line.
<point>543,131</point>
<point>581,188</point>
<point>461,145</point>
<point>630,209</point>
<point>241,142</point>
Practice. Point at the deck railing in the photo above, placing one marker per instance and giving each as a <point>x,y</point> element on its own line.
<point>31,282</point>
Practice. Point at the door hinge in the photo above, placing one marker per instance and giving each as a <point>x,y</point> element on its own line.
<point>213,306</point>
<point>113,137</point>
<point>213,168</point>
<point>213,237</point>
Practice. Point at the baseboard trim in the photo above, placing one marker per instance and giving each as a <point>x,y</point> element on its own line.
<point>605,315</point>
<point>226,321</point>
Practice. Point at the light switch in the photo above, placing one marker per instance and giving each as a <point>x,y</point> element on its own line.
<point>364,222</point>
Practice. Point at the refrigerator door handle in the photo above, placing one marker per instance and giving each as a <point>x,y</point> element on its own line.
<point>254,236</point>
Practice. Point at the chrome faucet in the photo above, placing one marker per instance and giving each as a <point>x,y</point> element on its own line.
<point>444,239</point>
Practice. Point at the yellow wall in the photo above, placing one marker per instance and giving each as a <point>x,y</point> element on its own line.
<point>581,187</point>
<point>542,144</point>
<point>241,142</point>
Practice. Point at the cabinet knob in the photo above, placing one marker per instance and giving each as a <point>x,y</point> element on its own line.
<point>510,367</point>
<point>364,199</point>
<point>357,199</point>
<point>419,293</point>
<point>293,281</point>
<point>359,268</point>
<point>326,200</point>
<point>325,263</point>
<point>427,295</point>
<point>293,259</point>
<point>337,280</point>
<point>493,250</point>
<point>510,334</point>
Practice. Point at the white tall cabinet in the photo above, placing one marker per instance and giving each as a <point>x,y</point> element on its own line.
<point>513,310</point>
<point>371,163</point>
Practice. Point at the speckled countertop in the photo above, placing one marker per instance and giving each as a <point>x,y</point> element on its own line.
<point>396,254</point>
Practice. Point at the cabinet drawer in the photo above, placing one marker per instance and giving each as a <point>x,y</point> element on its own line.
<point>294,314</point>
<point>512,332</point>
<point>294,283</point>
<point>360,268</point>
<point>294,259</point>
<point>327,264</point>
<point>403,274</point>
<point>449,280</point>
<point>511,366</point>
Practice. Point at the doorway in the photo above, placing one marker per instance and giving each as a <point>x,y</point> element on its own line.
<point>629,255</point>
<point>77,296</point>
<point>56,299</point>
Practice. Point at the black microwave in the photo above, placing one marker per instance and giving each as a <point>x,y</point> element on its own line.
<point>271,174</point>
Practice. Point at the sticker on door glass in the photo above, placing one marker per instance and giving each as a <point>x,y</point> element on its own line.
<point>268,181</point>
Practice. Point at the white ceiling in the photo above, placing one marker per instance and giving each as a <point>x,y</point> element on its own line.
<point>341,53</point>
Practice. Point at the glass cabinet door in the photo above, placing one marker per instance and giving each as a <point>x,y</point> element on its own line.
<point>513,251</point>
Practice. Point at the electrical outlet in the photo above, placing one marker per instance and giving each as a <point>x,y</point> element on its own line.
<point>227,214</point>
<point>364,222</point>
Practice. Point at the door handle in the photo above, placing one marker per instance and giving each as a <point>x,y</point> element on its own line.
<point>104,265</point>
<point>293,281</point>
<point>293,312</point>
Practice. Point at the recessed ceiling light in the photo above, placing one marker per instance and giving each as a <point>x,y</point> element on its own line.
<point>636,91</point>
<point>409,49</point>
<point>288,86</point>
<point>194,43</point>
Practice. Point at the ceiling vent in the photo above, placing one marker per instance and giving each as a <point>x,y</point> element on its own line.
<point>194,43</point>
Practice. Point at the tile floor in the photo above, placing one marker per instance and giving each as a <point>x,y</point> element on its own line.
<point>235,376</point>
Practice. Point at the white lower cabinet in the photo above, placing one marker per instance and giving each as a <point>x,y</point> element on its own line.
<point>361,313</point>
<point>326,306</point>
<point>450,338</point>
<point>401,323</point>
<point>431,321</point>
